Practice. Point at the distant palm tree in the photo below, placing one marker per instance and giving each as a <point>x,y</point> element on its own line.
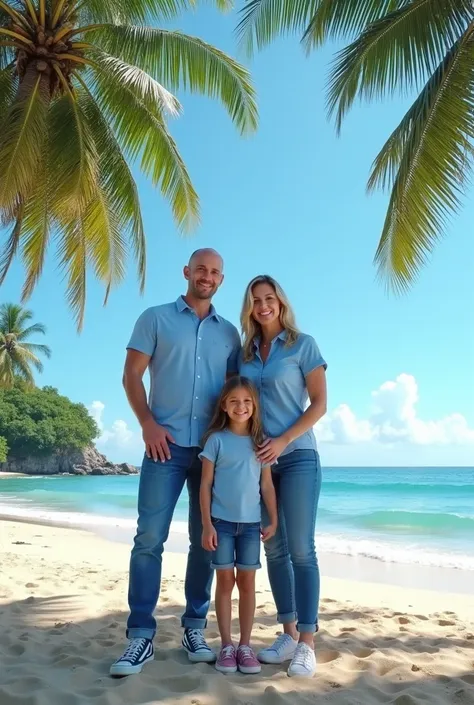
<point>396,45</point>
<point>82,97</point>
<point>17,356</point>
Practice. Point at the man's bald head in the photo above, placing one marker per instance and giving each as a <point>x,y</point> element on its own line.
<point>204,252</point>
<point>204,273</point>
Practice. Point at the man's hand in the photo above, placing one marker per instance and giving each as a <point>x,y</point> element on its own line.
<point>268,532</point>
<point>156,440</point>
<point>209,538</point>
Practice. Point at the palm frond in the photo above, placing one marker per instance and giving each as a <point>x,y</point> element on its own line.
<point>396,52</point>
<point>428,154</point>
<point>34,348</point>
<point>153,94</point>
<point>72,248</point>
<point>133,11</point>
<point>262,21</point>
<point>31,330</point>
<point>11,246</point>
<point>73,157</point>
<point>105,242</point>
<point>336,19</point>
<point>21,361</point>
<point>117,182</point>
<point>21,139</point>
<point>143,133</point>
<point>180,61</point>
<point>8,89</point>
<point>37,225</point>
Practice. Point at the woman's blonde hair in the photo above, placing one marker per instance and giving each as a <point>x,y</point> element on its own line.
<point>220,420</point>
<point>251,329</point>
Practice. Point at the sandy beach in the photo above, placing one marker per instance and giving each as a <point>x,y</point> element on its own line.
<point>63,608</point>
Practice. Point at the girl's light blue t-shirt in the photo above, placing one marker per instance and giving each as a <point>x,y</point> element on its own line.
<point>237,472</point>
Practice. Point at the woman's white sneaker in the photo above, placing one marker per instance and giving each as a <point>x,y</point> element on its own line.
<point>283,649</point>
<point>303,664</point>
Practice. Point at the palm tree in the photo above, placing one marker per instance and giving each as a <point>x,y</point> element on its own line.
<point>404,45</point>
<point>82,97</point>
<point>16,355</point>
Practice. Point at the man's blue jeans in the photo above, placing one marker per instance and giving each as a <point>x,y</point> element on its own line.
<point>160,487</point>
<point>291,557</point>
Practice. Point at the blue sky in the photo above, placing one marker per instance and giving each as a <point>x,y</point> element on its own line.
<point>291,201</point>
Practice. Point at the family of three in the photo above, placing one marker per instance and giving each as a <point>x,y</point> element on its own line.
<point>234,421</point>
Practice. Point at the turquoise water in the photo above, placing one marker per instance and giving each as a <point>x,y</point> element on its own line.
<point>402,515</point>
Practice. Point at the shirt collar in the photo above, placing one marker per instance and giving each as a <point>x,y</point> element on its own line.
<point>181,305</point>
<point>281,336</point>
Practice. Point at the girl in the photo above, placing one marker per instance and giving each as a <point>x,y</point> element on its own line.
<point>289,372</point>
<point>233,481</point>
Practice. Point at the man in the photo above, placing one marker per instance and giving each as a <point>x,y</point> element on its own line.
<point>189,350</point>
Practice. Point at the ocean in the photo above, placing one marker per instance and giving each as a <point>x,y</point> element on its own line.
<point>422,516</point>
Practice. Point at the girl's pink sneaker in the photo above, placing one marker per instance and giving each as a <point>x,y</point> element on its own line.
<point>247,662</point>
<point>227,661</point>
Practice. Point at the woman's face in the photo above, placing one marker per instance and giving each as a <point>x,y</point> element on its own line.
<point>266,306</point>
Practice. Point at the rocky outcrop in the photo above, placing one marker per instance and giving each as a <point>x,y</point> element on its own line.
<point>76,462</point>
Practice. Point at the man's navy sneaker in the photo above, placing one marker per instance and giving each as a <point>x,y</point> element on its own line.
<point>136,655</point>
<point>195,645</point>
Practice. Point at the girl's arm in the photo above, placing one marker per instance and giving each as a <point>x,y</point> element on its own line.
<point>272,448</point>
<point>209,536</point>
<point>269,499</point>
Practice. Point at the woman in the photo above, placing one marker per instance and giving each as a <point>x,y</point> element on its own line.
<point>288,370</point>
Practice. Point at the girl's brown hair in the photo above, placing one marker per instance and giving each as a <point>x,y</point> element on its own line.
<point>220,420</point>
<point>251,329</point>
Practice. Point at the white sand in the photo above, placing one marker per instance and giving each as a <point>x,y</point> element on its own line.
<point>63,609</point>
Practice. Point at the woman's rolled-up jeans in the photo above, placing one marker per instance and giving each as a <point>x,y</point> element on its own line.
<point>291,556</point>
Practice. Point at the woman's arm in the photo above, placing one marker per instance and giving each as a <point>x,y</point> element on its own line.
<point>209,536</point>
<point>272,448</point>
<point>269,498</point>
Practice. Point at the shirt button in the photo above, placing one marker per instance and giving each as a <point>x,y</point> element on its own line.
<point>199,338</point>
<point>195,417</point>
<point>199,376</point>
<point>199,358</point>
<point>197,397</point>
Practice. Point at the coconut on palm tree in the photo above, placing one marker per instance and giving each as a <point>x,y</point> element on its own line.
<point>396,46</point>
<point>85,93</point>
<point>17,355</point>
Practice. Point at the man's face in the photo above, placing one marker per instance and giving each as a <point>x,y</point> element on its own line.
<point>204,275</point>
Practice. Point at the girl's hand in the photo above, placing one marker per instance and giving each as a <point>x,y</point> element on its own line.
<point>268,532</point>
<point>209,538</point>
<point>271,449</point>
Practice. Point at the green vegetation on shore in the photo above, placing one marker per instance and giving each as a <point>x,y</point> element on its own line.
<point>39,422</point>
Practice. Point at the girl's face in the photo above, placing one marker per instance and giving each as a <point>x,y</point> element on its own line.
<point>266,306</point>
<point>239,406</point>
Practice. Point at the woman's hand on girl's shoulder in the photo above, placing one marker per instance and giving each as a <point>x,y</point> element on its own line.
<point>271,449</point>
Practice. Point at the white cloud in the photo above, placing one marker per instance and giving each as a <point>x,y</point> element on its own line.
<point>118,441</point>
<point>393,421</point>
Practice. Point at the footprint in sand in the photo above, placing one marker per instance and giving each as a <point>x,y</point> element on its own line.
<point>327,656</point>
<point>182,684</point>
<point>446,623</point>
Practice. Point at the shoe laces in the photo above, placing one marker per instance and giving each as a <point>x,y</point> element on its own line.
<point>280,643</point>
<point>246,653</point>
<point>227,651</point>
<point>134,648</point>
<point>197,639</point>
<point>303,656</point>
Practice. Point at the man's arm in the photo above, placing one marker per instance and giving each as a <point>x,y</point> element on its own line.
<point>155,436</point>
